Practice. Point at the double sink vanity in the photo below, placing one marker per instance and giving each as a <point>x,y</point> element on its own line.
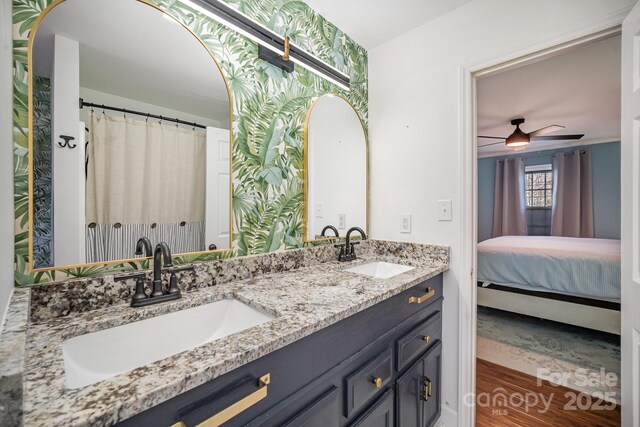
<point>145,134</point>
<point>287,338</point>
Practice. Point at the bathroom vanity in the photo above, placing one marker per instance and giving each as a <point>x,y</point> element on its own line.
<point>379,365</point>
<point>165,128</point>
<point>292,338</point>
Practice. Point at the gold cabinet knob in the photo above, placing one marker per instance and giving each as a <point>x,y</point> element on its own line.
<point>377,381</point>
<point>427,339</point>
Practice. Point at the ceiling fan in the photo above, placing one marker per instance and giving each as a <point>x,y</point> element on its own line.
<point>519,138</point>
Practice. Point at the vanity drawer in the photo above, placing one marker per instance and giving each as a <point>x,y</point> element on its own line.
<point>424,297</point>
<point>416,341</point>
<point>367,381</point>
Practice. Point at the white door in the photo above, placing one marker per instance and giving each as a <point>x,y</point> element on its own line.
<point>217,205</point>
<point>631,219</point>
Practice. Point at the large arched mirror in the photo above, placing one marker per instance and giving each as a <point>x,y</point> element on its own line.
<point>130,135</point>
<point>336,168</point>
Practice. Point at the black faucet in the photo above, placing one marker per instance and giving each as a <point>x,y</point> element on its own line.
<point>161,252</point>
<point>348,251</point>
<point>332,228</point>
<point>161,258</point>
<point>143,243</point>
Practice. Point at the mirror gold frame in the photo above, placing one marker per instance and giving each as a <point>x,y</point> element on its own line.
<point>30,148</point>
<point>305,218</point>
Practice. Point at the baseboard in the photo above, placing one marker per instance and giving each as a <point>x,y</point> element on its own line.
<point>448,417</point>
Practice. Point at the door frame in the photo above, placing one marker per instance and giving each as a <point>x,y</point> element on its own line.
<point>597,29</point>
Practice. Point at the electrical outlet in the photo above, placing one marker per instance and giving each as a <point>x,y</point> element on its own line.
<point>405,223</point>
<point>342,221</point>
<point>318,210</point>
<point>444,210</point>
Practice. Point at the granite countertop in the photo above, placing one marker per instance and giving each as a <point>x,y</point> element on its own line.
<point>303,301</point>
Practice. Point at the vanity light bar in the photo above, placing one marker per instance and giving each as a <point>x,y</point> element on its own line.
<point>268,39</point>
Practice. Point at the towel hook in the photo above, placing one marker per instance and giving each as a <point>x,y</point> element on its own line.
<point>67,141</point>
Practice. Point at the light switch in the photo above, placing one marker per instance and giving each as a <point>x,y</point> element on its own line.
<point>318,210</point>
<point>342,221</point>
<point>444,210</point>
<point>405,223</point>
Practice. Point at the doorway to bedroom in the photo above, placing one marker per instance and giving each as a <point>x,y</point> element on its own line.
<point>548,249</point>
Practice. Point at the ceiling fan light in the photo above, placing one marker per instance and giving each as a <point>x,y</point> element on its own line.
<point>517,143</point>
<point>517,139</point>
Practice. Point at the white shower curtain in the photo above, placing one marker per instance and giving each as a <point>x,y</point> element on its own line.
<point>143,179</point>
<point>509,199</point>
<point>572,213</point>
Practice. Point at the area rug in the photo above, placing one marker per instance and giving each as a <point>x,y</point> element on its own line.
<point>581,359</point>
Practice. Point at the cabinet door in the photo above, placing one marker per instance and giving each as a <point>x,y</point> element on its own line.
<point>323,412</point>
<point>408,399</point>
<point>418,391</point>
<point>316,405</point>
<point>379,414</point>
<point>431,366</point>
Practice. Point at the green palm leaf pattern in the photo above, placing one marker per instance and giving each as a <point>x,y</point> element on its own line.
<point>269,107</point>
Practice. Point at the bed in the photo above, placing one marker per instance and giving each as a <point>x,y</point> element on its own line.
<point>571,280</point>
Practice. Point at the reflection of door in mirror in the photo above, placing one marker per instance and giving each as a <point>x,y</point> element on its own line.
<point>130,135</point>
<point>336,157</point>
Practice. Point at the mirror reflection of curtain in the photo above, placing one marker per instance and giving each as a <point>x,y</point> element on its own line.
<point>509,199</point>
<point>150,179</point>
<point>572,213</point>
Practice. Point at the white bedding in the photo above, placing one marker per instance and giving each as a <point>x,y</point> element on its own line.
<point>584,267</point>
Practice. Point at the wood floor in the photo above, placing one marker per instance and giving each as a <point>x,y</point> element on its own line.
<point>508,398</point>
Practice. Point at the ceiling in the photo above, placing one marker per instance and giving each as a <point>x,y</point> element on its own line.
<point>371,23</point>
<point>579,89</point>
<point>164,65</point>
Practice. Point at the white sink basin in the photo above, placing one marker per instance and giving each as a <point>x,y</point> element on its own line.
<point>97,356</point>
<point>380,270</point>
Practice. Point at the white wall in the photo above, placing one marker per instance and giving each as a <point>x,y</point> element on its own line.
<point>67,163</point>
<point>415,108</point>
<point>6,159</point>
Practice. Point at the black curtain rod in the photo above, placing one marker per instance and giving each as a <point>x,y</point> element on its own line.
<point>140,113</point>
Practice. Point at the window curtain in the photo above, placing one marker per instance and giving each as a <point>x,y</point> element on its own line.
<point>143,179</point>
<point>572,213</point>
<point>509,199</point>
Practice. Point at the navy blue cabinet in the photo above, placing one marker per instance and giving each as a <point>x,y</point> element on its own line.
<point>379,367</point>
<point>418,391</point>
<point>379,414</point>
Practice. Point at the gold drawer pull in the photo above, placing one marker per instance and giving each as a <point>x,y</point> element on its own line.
<point>377,382</point>
<point>427,390</point>
<point>427,339</point>
<point>419,300</point>
<point>241,405</point>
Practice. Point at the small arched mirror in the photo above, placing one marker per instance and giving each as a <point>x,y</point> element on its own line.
<point>336,172</point>
<point>130,135</point>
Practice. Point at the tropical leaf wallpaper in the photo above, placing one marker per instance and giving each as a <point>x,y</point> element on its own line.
<point>42,197</point>
<point>269,108</point>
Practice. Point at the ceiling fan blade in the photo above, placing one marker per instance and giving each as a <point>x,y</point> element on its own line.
<point>493,143</point>
<point>556,137</point>
<point>492,137</point>
<point>545,130</point>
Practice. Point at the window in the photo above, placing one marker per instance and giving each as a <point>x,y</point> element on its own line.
<point>539,186</point>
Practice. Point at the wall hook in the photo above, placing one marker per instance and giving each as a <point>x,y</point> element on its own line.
<point>67,142</point>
